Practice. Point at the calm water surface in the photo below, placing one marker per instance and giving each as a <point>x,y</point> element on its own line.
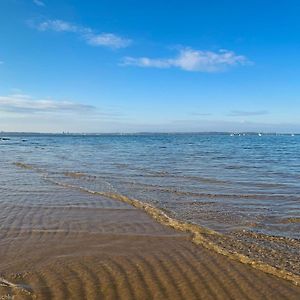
<point>231,184</point>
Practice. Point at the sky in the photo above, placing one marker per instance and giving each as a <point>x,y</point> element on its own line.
<point>159,66</point>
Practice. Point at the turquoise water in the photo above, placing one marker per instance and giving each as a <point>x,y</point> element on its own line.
<point>223,182</point>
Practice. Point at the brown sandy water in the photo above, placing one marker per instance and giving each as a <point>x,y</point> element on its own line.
<point>58,242</point>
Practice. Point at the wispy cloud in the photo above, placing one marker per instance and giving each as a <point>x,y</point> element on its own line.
<point>104,39</point>
<point>242,113</point>
<point>57,25</point>
<point>38,2</point>
<point>107,39</point>
<point>189,59</point>
<point>20,103</point>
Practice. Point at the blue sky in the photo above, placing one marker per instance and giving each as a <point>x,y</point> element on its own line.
<point>128,66</point>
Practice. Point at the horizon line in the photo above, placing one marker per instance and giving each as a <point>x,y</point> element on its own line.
<point>150,132</point>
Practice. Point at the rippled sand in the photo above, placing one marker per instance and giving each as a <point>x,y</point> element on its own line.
<point>60,243</point>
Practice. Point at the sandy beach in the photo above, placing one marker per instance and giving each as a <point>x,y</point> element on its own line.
<point>61,243</point>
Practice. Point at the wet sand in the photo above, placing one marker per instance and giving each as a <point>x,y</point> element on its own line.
<point>60,243</point>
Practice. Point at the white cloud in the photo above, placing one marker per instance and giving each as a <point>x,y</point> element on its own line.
<point>20,103</point>
<point>110,40</point>
<point>147,62</point>
<point>38,2</point>
<point>21,112</point>
<point>189,59</point>
<point>57,25</point>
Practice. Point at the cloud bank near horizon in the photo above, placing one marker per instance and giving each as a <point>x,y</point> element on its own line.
<point>41,123</point>
<point>21,103</point>
<point>189,59</point>
<point>21,112</point>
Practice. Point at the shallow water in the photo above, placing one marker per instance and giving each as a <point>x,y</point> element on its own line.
<point>245,187</point>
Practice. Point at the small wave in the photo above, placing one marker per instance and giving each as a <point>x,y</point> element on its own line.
<point>25,166</point>
<point>79,175</point>
<point>290,220</point>
<point>22,165</point>
<point>219,196</point>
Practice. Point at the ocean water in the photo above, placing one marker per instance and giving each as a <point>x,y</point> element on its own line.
<point>247,187</point>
